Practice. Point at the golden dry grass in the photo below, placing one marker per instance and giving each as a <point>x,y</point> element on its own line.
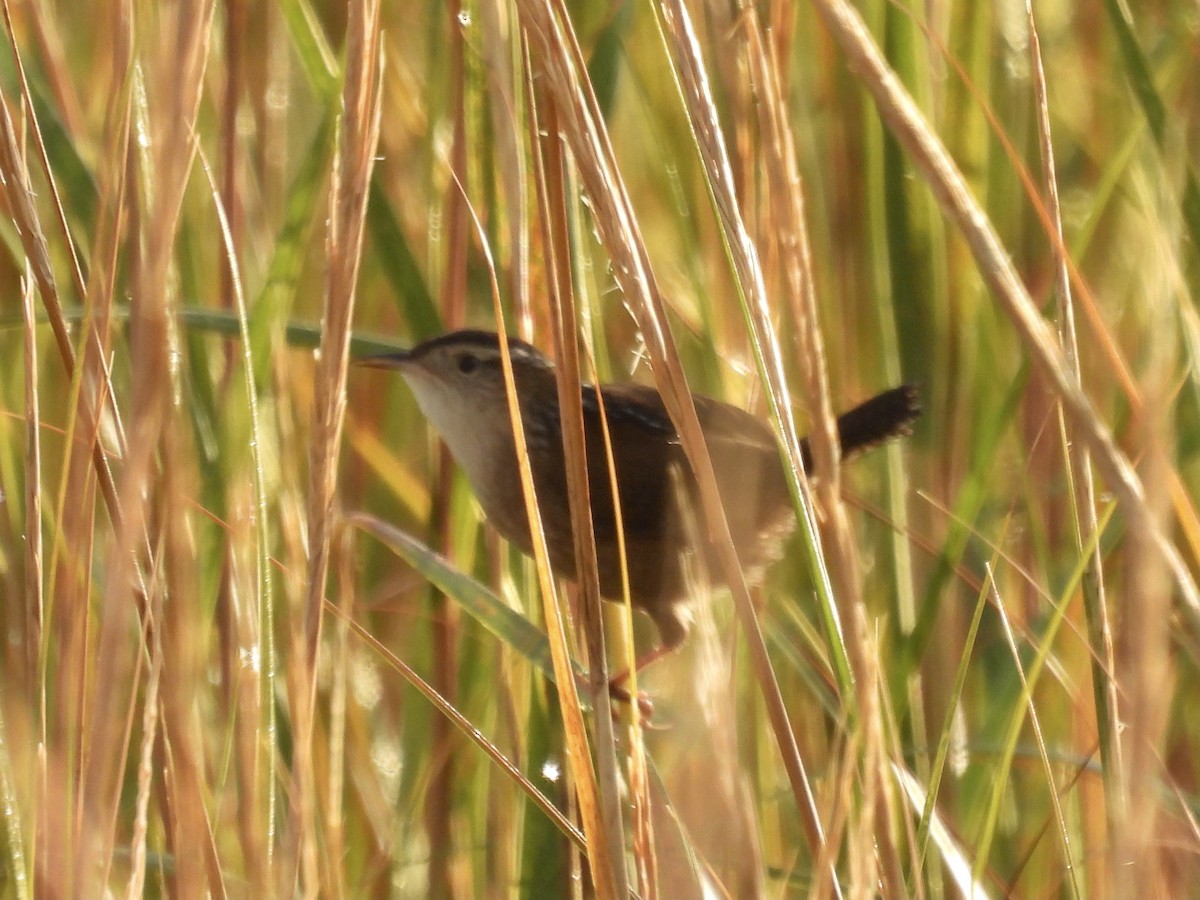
<point>257,641</point>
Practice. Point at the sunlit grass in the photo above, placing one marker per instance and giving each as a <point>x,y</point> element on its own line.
<point>258,644</point>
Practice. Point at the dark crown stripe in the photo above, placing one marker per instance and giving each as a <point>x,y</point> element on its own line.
<point>483,340</point>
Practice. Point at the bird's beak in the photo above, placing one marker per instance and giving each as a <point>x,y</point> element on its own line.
<point>397,360</point>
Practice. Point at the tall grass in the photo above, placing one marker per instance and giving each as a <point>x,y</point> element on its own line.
<point>257,640</point>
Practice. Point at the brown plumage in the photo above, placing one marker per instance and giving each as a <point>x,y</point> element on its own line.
<point>459,384</point>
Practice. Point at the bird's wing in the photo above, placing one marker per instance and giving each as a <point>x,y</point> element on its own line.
<point>647,448</point>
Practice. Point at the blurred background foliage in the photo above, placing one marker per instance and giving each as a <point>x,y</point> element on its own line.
<point>152,673</point>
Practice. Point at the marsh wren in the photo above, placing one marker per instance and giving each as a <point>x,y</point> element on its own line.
<point>458,380</point>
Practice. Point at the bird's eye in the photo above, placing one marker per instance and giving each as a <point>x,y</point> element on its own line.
<point>468,363</point>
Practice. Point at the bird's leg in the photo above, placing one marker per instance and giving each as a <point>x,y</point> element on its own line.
<point>618,692</point>
<point>643,704</point>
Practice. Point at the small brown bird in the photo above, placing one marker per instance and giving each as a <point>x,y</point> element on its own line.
<point>458,380</point>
